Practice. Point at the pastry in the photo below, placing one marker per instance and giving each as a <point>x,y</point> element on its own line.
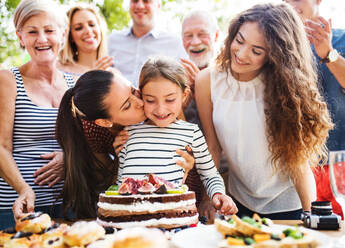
<point>33,222</point>
<point>83,233</point>
<point>140,237</point>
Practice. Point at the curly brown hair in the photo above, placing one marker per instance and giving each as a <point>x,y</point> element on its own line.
<point>297,118</point>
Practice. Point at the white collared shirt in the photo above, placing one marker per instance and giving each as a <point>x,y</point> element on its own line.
<point>130,53</point>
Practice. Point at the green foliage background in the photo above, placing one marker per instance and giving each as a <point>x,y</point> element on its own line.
<point>10,52</point>
<point>8,40</point>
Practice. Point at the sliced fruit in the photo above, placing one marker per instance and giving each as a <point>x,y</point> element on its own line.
<point>185,188</point>
<point>112,192</point>
<point>293,233</point>
<point>231,221</point>
<point>235,241</point>
<point>161,189</point>
<point>114,188</point>
<point>248,241</point>
<point>125,189</point>
<point>175,191</point>
<point>261,237</point>
<point>146,188</point>
<point>158,180</point>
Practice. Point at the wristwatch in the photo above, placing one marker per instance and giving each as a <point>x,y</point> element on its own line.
<point>332,56</point>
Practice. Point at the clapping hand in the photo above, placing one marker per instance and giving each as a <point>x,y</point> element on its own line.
<point>191,71</point>
<point>319,32</point>
<point>104,63</point>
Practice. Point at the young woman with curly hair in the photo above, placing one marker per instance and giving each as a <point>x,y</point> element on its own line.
<point>261,106</point>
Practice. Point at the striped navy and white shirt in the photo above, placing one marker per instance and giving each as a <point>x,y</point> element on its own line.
<point>152,149</point>
<point>33,135</point>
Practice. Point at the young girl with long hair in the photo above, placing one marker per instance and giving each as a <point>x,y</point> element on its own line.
<point>108,101</point>
<point>260,105</point>
<point>151,145</point>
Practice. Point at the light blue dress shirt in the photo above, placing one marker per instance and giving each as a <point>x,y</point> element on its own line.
<point>130,52</point>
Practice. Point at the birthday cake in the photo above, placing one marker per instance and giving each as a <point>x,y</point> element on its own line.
<point>151,202</point>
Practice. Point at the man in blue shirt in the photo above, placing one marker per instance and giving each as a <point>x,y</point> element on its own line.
<point>329,48</point>
<point>132,47</point>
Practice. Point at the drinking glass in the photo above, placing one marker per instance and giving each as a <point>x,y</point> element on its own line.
<point>337,181</point>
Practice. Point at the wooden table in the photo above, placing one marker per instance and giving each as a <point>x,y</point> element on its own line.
<point>331,233</point>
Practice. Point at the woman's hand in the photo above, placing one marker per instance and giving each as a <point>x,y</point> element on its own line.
<point>53,172</point>
<point>224,204</point>
<point>119,141</point>
<point>25,203</point>
<point>189,162</point>
<point>104,63</point>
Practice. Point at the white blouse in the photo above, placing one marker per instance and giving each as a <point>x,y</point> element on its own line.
<point>239,121</point>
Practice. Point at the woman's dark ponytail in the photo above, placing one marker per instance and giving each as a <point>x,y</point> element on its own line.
<point>81,165</point>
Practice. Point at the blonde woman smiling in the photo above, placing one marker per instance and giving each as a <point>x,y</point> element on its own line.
<point>85,47</point>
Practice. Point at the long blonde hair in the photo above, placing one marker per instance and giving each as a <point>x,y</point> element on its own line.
<point>297,119</point>
<point>69,54</point>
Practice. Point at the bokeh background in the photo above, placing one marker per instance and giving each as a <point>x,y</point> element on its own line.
<point>117,17</point>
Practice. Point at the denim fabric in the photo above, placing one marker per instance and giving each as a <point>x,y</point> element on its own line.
<point>55,211</point>
<point>334,95</point>
<point>6,219</point>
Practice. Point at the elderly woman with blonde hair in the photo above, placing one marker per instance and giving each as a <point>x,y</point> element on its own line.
<point>29,97</point>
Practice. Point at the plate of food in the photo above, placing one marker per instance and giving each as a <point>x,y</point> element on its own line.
<point>249,232</point>
<point>38,230</point>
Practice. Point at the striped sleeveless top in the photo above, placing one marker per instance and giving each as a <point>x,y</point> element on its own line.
<point>33,135</point>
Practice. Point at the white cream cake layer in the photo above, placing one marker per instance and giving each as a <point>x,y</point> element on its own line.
<point>153,222</point>
<point>150,207</point>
